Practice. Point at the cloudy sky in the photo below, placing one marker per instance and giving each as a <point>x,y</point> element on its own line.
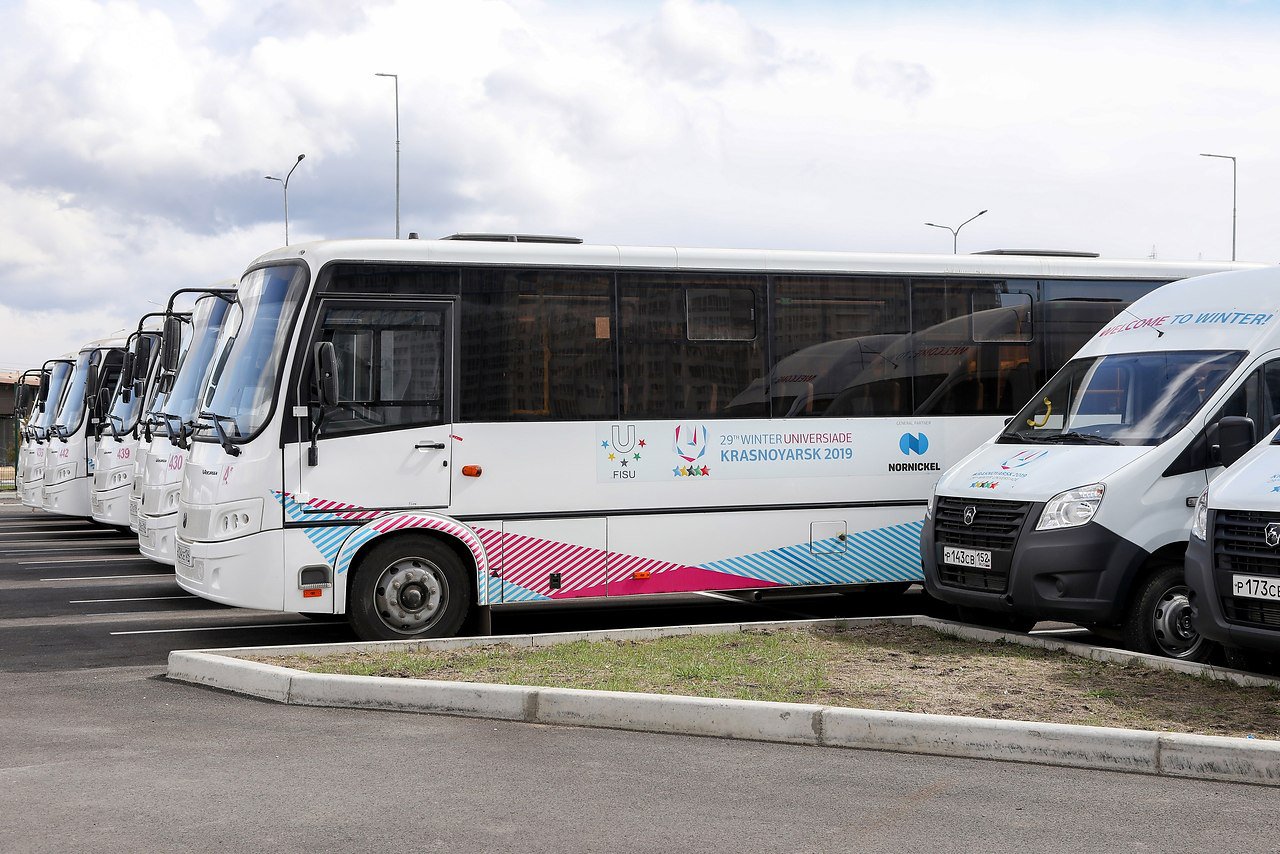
<point>134,136</point>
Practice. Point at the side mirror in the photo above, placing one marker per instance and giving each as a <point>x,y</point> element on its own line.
<point>326,359</point>
<point>171,345</point>
<point>126,376</point>
<point>91,383</point>
<point>104,402</point>
<point>1236,435</point>
<point>20,398</point>
<point>44,390</point>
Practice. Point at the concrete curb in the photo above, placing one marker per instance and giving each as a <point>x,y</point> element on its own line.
<point>1139,751</point>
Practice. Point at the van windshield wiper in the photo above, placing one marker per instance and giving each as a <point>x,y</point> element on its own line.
<point>1019,437</point>
<point>223,440</point>
<point>1072,437</point>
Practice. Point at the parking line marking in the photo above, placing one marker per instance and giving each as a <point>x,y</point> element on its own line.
<point>163,575</point>
<point>94,531</point>
<point>135,599</point>
<point>218,628</point>
<point>79,560</point>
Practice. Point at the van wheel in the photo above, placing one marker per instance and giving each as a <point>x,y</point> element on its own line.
<point>997,620</point>
<point>1159,620</point>
<point>409,587</point>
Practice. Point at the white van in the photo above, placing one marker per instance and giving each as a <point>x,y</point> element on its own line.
<point>1079,509</point>
<point>1233,561</point>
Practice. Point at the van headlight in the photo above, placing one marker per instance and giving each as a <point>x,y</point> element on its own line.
<point>1072,508</point>
<point>929,505</point>
<point>1200,519</point>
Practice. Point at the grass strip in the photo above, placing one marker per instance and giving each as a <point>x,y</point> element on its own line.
<point>894,668</point>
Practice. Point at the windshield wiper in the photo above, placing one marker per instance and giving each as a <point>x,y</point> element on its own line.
<point>226,443</point>
<point>1070,436</point>
<point>180,438</point>
<point>1018,437</point>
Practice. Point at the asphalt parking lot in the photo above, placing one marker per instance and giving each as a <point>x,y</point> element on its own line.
<point>99,752</point>
<point>74,593</point>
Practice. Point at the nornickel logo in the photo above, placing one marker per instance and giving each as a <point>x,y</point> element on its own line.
<point>913,443</point>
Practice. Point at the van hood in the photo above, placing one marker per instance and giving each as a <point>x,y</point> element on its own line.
<point>1018,472</point>
<point>1252,482</point>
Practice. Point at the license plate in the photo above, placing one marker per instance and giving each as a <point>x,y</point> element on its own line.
<point>975,558</point>
<point>142,525</point>
<point>1256,587</point>
<point>184,554</point>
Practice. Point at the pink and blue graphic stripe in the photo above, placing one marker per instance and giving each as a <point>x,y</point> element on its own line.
<point>522,565</point>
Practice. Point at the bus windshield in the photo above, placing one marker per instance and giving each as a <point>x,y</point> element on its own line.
<point>57,382</point>
<point>1125,399</point>
<point>243,384</point>
<point>207,318</point>
<point>71,409</point>
<point>124,413</point>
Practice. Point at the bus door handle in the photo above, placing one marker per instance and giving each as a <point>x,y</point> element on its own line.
<point>430,446</point>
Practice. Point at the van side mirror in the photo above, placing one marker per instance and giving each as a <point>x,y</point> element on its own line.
<point>171,345</point>
<point>1236,435</point>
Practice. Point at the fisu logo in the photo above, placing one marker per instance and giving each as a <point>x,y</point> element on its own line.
<point>1021,459</point>
<point>913,443</point>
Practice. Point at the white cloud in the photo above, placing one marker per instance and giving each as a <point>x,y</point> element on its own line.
<point>134,135</point>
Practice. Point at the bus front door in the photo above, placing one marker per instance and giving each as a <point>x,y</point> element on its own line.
<point>386,443</point>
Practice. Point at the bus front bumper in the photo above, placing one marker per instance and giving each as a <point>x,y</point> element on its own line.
<point>111,506</point>
<point>69,498</point>
<point>247,572</point>
<point>156,537</point>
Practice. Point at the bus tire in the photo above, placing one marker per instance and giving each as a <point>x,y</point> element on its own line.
<point>1159,619</point>
<point>409,587</point>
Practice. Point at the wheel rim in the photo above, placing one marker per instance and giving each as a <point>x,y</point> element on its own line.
<point>411,595</point>
<point>1171,624</point>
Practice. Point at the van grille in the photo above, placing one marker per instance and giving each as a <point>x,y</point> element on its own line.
<point>994,527</point>
<point>1240,545</point>
<point>995,524</point>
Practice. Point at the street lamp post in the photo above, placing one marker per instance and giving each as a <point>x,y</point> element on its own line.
<point>396,79</point>
<point>955,232</point>
<point>284,182</point>
<point>1233,198</point>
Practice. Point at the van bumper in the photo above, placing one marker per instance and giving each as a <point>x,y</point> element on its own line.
<point>1207,613</point>
<point>1078,575</point>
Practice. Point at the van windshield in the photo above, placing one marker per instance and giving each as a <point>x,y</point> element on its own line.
<point>1125,399</point>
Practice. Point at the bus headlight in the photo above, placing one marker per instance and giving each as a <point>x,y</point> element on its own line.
<point>1200,519</point>
<point>1072,508</point>
<point>236,520</point>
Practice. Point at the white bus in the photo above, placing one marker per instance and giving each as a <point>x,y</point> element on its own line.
<point>71,450</point>
<point>53,382</point>
<point>407,431</point>
<point>184,367</point>
<point>120,428</point>
<point>26,405</point>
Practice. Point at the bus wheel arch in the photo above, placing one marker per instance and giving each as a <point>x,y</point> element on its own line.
<point>410,584</point>
<point>1156,619</point>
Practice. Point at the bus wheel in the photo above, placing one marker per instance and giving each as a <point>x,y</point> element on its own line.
<point>409,587</point>
<point>1159,620</point>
